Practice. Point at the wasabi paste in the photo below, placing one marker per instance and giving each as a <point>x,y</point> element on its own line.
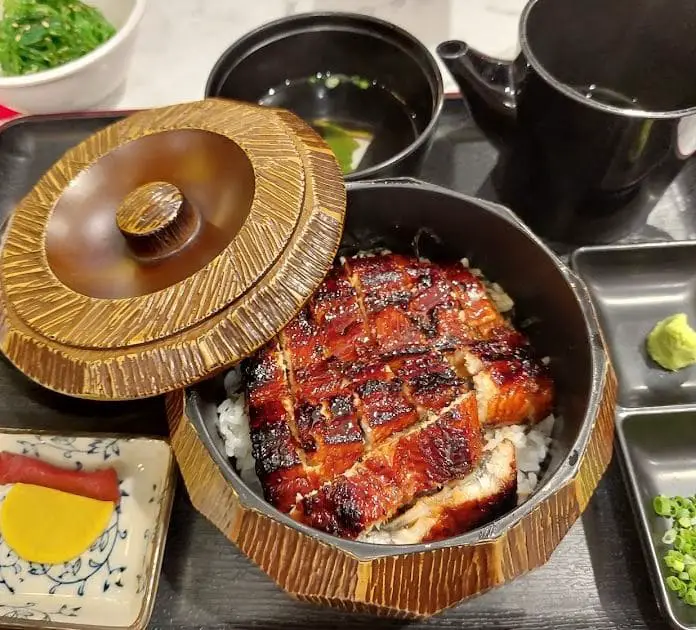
<point>672,343</point>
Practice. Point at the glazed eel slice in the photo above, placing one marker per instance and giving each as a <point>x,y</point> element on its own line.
<point>512,385</point>
<point>462,505</point>
<point>361,385</point>
<point>428,379</point>
<point>325,413</point>
<point>481,317</point>
<point>279,458</point>
<point>416,461</point>
<point>412,304</point>
<point>336,310</point>
<point>385,288</point>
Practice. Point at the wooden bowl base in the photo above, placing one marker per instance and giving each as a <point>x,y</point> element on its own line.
<point>402,586</point>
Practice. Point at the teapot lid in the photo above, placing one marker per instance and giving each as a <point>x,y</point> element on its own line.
<point>167,247</point>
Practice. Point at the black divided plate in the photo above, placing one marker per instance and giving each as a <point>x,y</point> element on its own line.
<point>633,287</point>
<point>659,457</point>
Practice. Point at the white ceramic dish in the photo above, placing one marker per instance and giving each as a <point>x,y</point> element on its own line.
<point>87,81</point>
<point>114,583</point>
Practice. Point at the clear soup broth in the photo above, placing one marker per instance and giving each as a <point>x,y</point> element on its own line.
<point>363,122</point>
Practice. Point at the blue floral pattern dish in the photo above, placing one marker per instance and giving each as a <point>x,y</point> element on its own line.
<point>114,582</point>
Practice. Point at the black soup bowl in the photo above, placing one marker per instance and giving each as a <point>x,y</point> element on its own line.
<point>371,89</point>
<point>408,216</point>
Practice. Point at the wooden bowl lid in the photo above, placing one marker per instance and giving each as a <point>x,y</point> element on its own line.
<point>166,247</point>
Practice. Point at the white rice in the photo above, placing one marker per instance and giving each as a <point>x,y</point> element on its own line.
<point>531,442</point>
<point>531,446</point>
<point>233,424</point>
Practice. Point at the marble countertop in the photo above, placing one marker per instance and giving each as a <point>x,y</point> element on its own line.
<point>180,40</point>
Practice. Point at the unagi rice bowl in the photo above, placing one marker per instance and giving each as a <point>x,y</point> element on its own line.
<point>527,446</point>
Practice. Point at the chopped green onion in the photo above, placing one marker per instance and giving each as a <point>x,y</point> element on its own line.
<point>680,559</point>
<point>683,589</point>
<point>662,505</point>
<point>673,583</point>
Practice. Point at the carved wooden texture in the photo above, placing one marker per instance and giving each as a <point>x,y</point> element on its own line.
<point>408,585</point>
<point>149,344</point>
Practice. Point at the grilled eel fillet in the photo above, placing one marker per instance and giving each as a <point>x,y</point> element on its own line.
<point>364,400</point>
<point>463,504</point>
<point>422,459</point>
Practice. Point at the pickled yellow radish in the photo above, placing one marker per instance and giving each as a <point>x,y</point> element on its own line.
<point>49,526</point>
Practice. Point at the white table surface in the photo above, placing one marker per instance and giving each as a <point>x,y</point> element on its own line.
<point>180,40</point>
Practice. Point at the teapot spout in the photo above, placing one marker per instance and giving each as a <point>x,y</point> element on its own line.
<point>487,84</point>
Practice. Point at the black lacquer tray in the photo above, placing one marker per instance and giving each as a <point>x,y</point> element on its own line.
<point>597,578</point>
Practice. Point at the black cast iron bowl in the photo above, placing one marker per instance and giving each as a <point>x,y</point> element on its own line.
<point>392,213</point>
<point>302,45</point>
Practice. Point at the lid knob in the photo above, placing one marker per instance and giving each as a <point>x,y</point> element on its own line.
<point>156,220</point>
